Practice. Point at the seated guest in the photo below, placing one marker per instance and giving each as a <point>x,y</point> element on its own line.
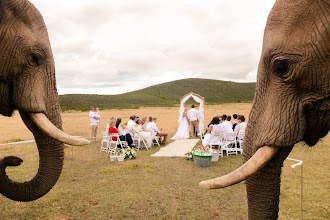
<point>127,137</point>
<point>107,128</point>
<point>155,130</point>
<point>138,128</point>
<point>235,121</point>
<point>226,127</point>
<point>241,125</point>
<point>144,121</point>
<point>130,124</point>
<point>215,128</point>
<point>120,127</point>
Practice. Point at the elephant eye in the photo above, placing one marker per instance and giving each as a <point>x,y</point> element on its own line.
<point>280,67</point>
<point>35,59</point>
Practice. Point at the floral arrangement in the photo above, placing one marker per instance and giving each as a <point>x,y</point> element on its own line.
<point>189,155</point>
<point>128,153</point>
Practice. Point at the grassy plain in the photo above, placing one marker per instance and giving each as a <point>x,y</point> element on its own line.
<point>92,187</point>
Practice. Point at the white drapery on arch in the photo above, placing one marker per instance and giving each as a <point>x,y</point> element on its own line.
<point>199,99</point>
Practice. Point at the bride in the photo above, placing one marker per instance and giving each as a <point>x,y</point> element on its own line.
<point>183,130</point>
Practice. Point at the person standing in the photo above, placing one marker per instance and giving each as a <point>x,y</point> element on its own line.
<point>97,112</point>
<point>193,116</point>
<point>94,123</point>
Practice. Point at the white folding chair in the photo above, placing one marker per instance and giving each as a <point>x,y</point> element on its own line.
<point>113,149</point>
<point>154,138</point>
<point>138,139</point>
<point>230,144</point>
<point>216,142</point>
<point>240,140</point>
<point>105,140</point>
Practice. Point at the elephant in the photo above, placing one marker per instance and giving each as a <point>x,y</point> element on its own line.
<point>28,84</point>
<point>291,102</point>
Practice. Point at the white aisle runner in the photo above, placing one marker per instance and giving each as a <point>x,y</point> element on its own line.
<point>177,148</point>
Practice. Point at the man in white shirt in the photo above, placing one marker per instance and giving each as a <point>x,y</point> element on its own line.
<point>226,126</point>
<point>151,126</point>
<point>94,118</point>
<point>193,116</point>
<point>130,124</point>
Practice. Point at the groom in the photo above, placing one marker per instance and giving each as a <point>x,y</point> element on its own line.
<point>193,116</point>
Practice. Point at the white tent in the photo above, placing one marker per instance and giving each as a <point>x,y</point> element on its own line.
<point>199,99</point>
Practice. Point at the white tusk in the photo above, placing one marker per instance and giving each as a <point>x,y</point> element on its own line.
<point>249,168</point>
<point>51,130</point>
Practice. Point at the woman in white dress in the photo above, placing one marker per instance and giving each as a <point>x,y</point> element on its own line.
<point>138,128</point>
<point>183,130</point>
<point>214,128</point>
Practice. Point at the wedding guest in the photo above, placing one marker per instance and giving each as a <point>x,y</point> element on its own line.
<point>120,127</point>
<point>107,128</point>
<point>215,128</point>
<point>155,130</point>
<point>127,137</point>
<point>138,128</point>
<point>226,126</point>
<point>144,121</point>
<point>235,121</point>
<point>94,123</point>
<point>241,125</point>
<point>130,124</point>
<point>97,112</point>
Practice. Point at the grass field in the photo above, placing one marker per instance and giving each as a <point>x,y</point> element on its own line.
<point>92,187</point>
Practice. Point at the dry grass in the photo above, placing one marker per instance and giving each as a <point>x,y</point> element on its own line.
<point>154,188</point>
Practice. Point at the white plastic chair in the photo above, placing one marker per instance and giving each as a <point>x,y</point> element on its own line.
<point>230,144</point>
<point>154,137</point>
<point>113,149</point>
<point>105,140</point>
<point>216,142</point>
<point>138,139</point>
<point>240,140</point>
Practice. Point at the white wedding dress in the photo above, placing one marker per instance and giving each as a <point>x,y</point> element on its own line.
<point>183,130</point>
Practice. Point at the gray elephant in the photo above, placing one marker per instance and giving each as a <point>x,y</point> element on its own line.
<point>291,103</point>
<point>27,83</point>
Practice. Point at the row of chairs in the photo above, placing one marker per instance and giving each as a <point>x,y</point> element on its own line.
<point>232,143</point>
<point>110,146</point>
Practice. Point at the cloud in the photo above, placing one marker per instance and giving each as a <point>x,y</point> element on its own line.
<point>140,43</point>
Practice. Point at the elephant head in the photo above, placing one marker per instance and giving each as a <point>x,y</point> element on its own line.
<point>291,102</point>
<point>27,83</point>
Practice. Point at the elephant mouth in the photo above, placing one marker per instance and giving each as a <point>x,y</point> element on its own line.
<point>43,123</point>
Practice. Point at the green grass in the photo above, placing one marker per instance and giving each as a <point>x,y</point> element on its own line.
<point>164,95</point>
<point>92,187</point>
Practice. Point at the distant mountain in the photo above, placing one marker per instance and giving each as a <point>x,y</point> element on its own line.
<point>165,94</point>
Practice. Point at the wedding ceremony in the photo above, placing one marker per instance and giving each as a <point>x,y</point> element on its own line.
<point>164,110</point>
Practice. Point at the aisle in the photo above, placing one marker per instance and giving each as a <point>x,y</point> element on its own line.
<point>177,148</point>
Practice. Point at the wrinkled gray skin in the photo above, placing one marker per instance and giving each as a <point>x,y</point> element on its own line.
<point>291,102</point>
<point>27,83</point>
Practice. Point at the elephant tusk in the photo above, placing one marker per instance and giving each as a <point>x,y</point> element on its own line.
<point>253,165</point>
<point>51,130</point>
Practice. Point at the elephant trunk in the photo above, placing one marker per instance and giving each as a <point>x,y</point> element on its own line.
<point>263,188</point>
<point>51,156</point>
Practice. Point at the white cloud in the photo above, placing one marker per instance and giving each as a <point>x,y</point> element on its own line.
<point>141,43</point>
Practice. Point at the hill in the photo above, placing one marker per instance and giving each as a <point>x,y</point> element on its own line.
<point>164,95</point>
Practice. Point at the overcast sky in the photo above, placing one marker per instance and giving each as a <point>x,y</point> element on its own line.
<point>117,46</point>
